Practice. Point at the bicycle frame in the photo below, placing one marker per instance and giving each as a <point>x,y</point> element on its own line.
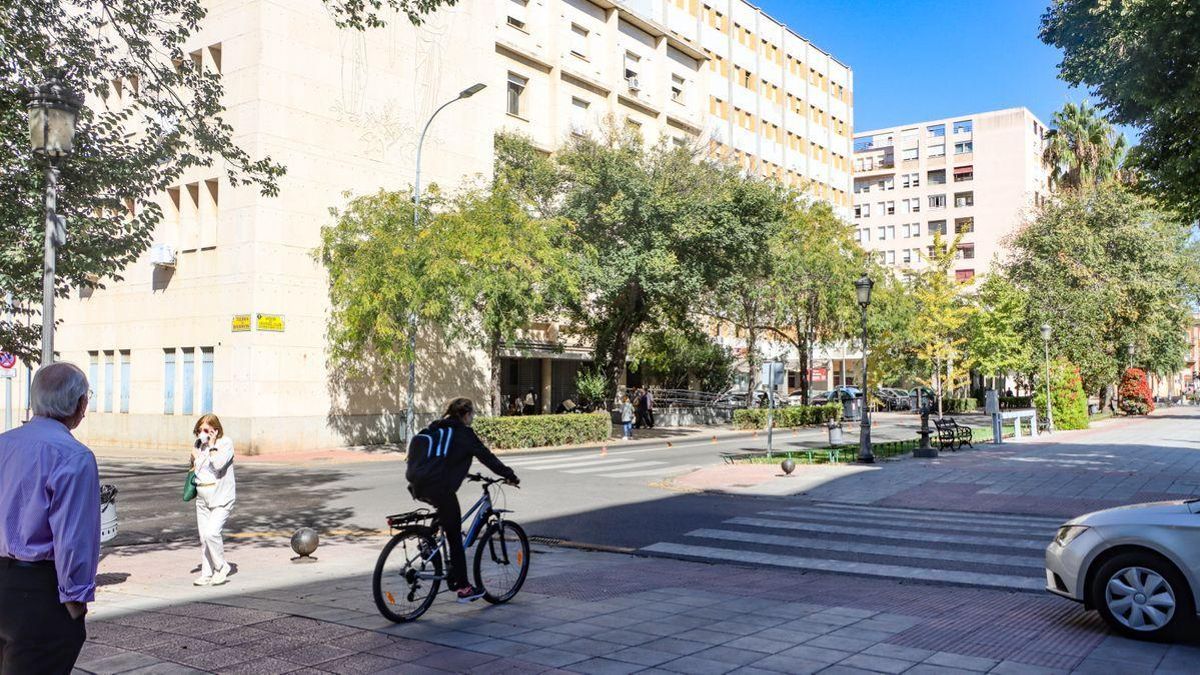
<point>482,511</point>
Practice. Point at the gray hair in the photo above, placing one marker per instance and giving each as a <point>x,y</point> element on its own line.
<point>57,389</point>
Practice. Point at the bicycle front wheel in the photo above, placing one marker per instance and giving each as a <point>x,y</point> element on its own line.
<point>407,576</point>
<point>501,561</point>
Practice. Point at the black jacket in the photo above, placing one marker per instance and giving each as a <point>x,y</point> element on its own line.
<point>464,446</point>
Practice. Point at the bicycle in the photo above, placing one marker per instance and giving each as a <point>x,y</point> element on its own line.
<point>409,571</point>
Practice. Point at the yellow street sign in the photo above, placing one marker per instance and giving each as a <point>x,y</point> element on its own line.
<point>269,322</point>
<point>241,323</point>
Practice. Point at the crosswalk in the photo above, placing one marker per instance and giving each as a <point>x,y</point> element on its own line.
<point>619,464</point>
<point>973,549</point>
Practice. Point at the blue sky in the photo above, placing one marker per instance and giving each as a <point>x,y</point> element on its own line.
<point>915,60</point>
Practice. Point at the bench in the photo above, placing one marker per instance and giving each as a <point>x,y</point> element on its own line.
<point>952,434</point>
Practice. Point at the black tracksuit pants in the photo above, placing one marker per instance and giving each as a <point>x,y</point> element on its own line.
<point>37,634</point>
<point>450,518</point>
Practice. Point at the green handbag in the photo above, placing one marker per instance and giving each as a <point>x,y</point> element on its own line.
<point>189,486</point>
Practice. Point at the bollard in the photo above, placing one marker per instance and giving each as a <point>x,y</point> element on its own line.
<point>304,543</point>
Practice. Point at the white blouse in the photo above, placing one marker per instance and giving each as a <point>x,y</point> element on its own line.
<point>215,465</point>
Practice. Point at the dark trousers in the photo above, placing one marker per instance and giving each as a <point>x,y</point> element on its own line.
<point>37,634</point>
<point>650,417</point>
<point>450,518</point>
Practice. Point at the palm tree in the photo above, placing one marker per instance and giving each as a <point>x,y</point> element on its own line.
<point>1083,149</point>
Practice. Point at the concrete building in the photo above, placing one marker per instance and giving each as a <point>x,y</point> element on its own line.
<point>227,311</point>
<point>972,175</point>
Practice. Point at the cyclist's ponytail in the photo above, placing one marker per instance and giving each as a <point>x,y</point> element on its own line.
<point>459,408</point>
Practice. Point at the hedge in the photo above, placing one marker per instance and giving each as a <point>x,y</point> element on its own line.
<point>1066,391</point>
<point>1015,402</point>
<point>790,416</point>
<point>531,431</point>
<point>958,405</point>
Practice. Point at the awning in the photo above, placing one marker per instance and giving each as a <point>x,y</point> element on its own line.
<point>960,170</point>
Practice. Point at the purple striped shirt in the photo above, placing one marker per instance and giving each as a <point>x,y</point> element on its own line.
<point>50,504</point>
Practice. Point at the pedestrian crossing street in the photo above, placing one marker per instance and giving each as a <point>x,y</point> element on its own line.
<point>636,463</point>
<point>973,549</point>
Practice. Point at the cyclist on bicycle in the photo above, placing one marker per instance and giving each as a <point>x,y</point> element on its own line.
<point>439,458</point>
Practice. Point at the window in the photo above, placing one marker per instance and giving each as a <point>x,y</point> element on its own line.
<point>866,210</point>
<point>964,225</point>
<point>633,64</point>
<point>910,180</point>
<point>937,177</point>
<point>908,154</point>
<point>937,227</point>
<point>516,92</point>
<point>169,381</point>
<point>890,208</point>
<point>964,199</point>
<point>866,232</point>
<point>964,173</point>
<point>963,276</point>
<point>938,150</point>
<point>891,258</point>
<point>579,116</point>
<point>677,83</point>
<point>937,201</point>
<point>93,379</point>
<point>125,380</point>
<point>109,375</point>
<point>858,211</point>
<point>888,183</point>
<point>936,131</point>
<point>189,381</point>
<point>206,379</point>
<point>882,233</point>
<point>912,205</point>
<point>516,23</point>
<point>916,229</point>
<point>963,147</point>
<point>579,41</point>
<point>906,255</point>
<point>861,187</point>
<point>966,252</point>
<point>963,127</point>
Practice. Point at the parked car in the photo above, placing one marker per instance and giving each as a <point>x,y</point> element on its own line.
<point>838,394</point>
<point>894,399</point>
<point>1138,566</point>
<point>736,398</point>
<point>926,397</point>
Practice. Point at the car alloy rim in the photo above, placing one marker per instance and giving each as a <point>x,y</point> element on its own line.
<point>1140,598</point>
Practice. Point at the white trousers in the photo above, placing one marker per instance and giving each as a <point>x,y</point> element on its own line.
<point>210,520</point>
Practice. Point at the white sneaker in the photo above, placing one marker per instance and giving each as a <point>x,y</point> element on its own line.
<point>221,576</point>
<point>202,581</point>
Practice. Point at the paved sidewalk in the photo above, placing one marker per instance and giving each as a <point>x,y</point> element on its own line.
<point>584,612</point>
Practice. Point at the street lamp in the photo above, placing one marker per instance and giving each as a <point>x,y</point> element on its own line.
<point>1049,406</point>
<point>53,112</point>
<point>1129,353</point>
<point>409,421</point>
<point>863,288</point>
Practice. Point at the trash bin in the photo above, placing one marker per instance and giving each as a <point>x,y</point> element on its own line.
<point>852,409</point>
<point>835,433</point>
<point>108,513</point>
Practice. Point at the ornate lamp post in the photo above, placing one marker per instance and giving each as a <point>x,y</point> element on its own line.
<point>410,419</point>
<point>1129,354</point>
<point>1049,407</point>
<point>863,289</point>
<point>53,112</point>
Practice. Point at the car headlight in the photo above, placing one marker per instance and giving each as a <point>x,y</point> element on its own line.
<point>1068,533</point>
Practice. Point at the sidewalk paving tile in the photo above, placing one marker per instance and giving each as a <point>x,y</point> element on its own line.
<point>1009,667</point>
<point>694,665</point>
<point>358,663</point>
<point>554,657</point>
<point>121,662</point>
<point>846,644</point>
<point>930,669</point>
<point>589,646</point>
<point>815,654</point>
<point>896,652</point>
<point>315,654</point>
<point>499,647</point>
<point>267,665</point>
<point>880,664</point>
<point>643,656</point>
<point>760,644</point>
<point>606,667</point>
<point>166,669</point>
<point>677,645</point>
<point>787,664</point>
<point>626,637</point>
<point>1095,666</point>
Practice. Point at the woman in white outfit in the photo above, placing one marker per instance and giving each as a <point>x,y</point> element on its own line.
<point>216,491</point>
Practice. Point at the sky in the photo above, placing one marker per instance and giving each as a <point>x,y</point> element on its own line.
<point>917,60</point>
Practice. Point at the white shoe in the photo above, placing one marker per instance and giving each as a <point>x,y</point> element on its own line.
<point>202,581</point>
<point>221,576</point>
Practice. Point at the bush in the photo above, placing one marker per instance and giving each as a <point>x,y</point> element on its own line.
<point>790,416</point>
<point>1066,390</point>
<point>1015,402</point>
<point>1133,396</point>
<point>539,430</point>
<point>958,405</point>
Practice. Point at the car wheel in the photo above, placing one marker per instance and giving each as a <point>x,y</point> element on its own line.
<point>1142,595</point>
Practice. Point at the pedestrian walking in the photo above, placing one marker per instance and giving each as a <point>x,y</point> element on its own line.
<point>49,528</point>
<point>639,408</point>
<point>626,418</point>
<point>530,403</point>
<point>216,492</point>
<point>649,409</point>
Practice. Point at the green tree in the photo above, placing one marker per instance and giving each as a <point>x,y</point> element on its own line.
<point>995,340</point>
<point>1068,401</point>
<point>168,119</point>
<point>531,176</point>
<point>890,329</point>
<point>1082,149</point>
<point>684,358</point>
<point>1142,59</point>
<point>941,319</point>
<point>511,269</point>
<point>815,264</point>
<point>1105,268</point>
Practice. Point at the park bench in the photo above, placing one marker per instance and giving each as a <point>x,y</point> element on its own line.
<point>952,434</point>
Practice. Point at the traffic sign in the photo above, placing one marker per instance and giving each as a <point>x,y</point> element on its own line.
<point>8,365</point>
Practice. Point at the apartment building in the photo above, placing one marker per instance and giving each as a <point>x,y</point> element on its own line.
<point>227,310</point>
<point>975,175</point>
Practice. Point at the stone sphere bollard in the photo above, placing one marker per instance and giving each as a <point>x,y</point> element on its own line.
<point>304,542</point>
<point>788,466</point>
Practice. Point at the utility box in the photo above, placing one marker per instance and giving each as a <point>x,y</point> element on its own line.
<point>991,402</point>
<point>835,433</point>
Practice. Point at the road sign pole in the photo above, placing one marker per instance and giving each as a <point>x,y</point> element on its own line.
<point>7,403</point>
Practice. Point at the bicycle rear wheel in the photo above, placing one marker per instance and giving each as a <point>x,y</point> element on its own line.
<point>501,561</point>
<point>407,575</point>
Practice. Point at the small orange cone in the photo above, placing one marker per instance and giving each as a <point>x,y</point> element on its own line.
<point>670,445</point>
<point>603,450</point>
<point>714,439</point>
<point>755,434</point>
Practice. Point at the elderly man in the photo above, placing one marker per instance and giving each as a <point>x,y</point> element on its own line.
<point>49,528</point>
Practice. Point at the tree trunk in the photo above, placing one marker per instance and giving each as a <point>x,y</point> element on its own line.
<point>802,348</point>
<point>612,359</point>
<point>494,375</point>
<point>751,363</point>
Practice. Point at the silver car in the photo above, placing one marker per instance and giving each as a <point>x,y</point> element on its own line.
<point>1138,565</point>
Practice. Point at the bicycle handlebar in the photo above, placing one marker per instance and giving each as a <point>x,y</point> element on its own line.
<point>480,478</point>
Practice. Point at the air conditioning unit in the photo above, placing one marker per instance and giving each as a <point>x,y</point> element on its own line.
<point>162,255</point>
<point>633,83</point>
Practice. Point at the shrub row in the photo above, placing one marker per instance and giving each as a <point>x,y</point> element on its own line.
<point>791,416</point>
<point>958,405</point>
<point>1015,402</point>
<point>531,431</point>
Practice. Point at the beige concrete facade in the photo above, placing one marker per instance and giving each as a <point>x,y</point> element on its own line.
<point>976,175</point>
<point>227,312</point>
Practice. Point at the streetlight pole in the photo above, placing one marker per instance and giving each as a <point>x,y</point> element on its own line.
<point>53,112</point>
<point>410,417</point>
<point>865,455</point>
<point>1049,403</point>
